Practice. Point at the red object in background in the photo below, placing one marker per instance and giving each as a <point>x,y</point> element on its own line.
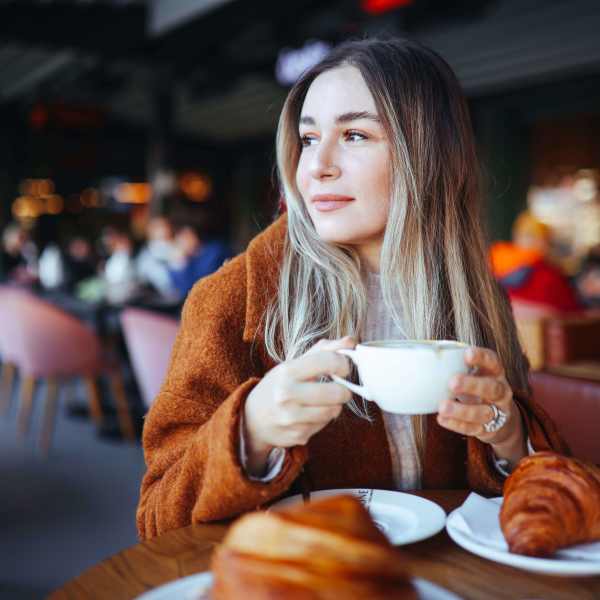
<point>38,117</point>
<point>525,275</point>
<point>377,7</point>
<point>547,285</point>
<point>63,115</point>
<point>79,117</point>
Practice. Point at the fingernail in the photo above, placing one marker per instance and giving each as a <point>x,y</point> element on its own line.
<point>470,354</point>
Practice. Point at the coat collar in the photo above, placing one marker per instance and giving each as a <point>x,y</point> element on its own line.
<point>263,263</point>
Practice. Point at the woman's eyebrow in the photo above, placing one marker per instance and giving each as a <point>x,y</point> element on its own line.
<point>356,116</point>
<point>345,117</point>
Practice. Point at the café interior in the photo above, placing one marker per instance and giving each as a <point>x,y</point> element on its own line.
<point>137,156</point>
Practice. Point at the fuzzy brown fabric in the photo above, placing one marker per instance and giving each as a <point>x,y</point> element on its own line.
<point>191,434</point>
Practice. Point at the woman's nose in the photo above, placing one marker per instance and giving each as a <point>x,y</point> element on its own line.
<point>324,164</point>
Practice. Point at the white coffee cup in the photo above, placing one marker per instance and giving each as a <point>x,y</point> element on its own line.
<point>408,377</point>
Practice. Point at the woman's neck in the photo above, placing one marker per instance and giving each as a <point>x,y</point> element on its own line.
<point>370,256</point>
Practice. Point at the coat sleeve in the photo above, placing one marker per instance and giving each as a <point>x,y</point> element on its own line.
<point>191,434</point>
<point>538,427</point>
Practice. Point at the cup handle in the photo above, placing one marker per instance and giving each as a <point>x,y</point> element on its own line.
<point>361,390</point>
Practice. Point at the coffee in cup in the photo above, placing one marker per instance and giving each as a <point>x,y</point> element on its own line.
<point>409,377</point>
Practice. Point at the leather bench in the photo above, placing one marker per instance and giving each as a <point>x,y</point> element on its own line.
<point>574,405</point>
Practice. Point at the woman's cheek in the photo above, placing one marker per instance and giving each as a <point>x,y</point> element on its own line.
<point>302,173</point>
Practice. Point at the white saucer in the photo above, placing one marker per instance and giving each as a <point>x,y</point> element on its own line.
<point>559,565</point>
<point>403,518</point>
<point>197,587</point>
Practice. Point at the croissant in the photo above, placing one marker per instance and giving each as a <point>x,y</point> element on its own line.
<point>550,502</point>
<point>329,549</point>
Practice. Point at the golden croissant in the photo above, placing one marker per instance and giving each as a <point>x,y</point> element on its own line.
<point>325,550</point>
<point>550,502</point>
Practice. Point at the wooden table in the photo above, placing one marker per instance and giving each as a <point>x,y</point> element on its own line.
<point>188,550</point>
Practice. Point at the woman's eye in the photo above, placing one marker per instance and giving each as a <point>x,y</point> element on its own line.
<point>355,136</point>
<point>307,140</point>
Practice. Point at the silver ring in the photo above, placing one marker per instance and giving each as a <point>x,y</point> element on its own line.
<point>497,421</point>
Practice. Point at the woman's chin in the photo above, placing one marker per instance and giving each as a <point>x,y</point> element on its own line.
<point>341,233</point>
<point>331,228</point>
<point>335,237</point>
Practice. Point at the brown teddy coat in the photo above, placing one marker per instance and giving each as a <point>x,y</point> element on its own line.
<point>191,434</point>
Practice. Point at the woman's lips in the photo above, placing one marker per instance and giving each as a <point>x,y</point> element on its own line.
<point>329,202</point>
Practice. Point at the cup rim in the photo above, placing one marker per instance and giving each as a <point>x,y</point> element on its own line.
<point>422,344</point>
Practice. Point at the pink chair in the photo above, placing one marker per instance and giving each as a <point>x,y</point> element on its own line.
<point>149,337</point>
<point>44,342</point>
<point>9,369</point>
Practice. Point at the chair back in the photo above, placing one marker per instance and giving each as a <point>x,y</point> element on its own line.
<point>44,341</point>
<point>149,338</point>
<point>6,291</point>
<point>530,319</point>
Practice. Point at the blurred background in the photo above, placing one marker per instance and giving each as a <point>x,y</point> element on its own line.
<point>137,154</point>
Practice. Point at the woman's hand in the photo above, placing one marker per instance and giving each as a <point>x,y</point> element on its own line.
<point>476,394</point>
<point>290,405</point>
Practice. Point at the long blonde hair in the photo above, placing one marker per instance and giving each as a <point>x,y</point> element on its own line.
<point>435,278</point>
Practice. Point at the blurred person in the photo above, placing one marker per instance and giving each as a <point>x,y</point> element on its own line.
<point>51,268</point>
<point>13,241</point>
<point>80,262</point>
<point>522,267</point>
<point>195,257</point>
<point>51,263</point>
<point>152,262</point>
<point>119,270</point>
<point>18,261</point>
<point>588,279</point>
<point>382,238</point>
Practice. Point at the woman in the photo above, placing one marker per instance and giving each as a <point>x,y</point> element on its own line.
<point>381,239</point>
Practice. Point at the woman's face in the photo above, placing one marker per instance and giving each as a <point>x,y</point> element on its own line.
<point>344,170</point>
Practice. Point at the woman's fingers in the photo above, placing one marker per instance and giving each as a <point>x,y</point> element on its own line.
<point>485,361</point>
<point>317,364</point>
<point>322,394</point>
<point>288,406</point>
<point>477,414</point>
<point>488,389</point>
<point>477,392</point>
<point>313,415</point>
<point>300,405</point>
<point>345,342</point>
<point>461,427</point>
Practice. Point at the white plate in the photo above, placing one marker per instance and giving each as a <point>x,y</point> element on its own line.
<point>403,518</point>
<point>550,566</point>
<point>197,587</point>
<point>193,587</point>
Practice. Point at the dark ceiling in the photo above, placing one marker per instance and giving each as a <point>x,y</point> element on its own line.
<point>218,65</point>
